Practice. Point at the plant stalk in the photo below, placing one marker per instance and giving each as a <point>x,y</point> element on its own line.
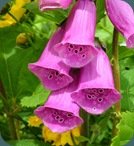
<point>8,111</point>
<point>85,125</point>
<point>116,74</point>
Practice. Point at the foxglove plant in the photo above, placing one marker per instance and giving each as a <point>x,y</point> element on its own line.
<point>96,91</point>
<point>54,4</point>
<point>50,69</point>
<point>60,113</point>
<point>77,46</point>
<point>122,16</point>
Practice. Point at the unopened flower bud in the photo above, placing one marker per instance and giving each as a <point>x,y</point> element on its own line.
<point>22,39</point>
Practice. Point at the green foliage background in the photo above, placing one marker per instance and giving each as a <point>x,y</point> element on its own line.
<point>24,92</point>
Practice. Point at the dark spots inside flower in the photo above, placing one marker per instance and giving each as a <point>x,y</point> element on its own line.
<point>100,99</point>
<point>69,115</point>
<point>56,73</point>
<point>57,117</point>
<point>76,51</point>
<point>61,120</point>
<point>94,109</point>
<point>50,76</point>
<point>69,49</point>
<point>55,113</point>
<point>89,96</point>
<point>101,90</point>
<point>71,46</point>
<point>80,49</point>
<point>83,55</point>
<point>95,90</point>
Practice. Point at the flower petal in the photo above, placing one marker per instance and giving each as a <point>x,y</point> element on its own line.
<point>77,46</point>
<point>60,113</point>
<point>122,16</point>
<point>54,4</point>
<point>96,91</point>
<point>50,69</point>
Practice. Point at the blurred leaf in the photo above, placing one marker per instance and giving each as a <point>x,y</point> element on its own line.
<point>28,142</point>
<point>126,130</point>
<point>56,16</point>
<point>82,139</point>
<point>10,59</point>
<point>100,9</point>
<point>39,97</point>
<point>14,62</point>
<point>125,52</point>
<point>127,83</point>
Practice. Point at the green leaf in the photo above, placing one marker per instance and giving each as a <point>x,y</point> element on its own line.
<point>127,83</point>
<point>125,52</point>
<point>39,97</point>
<point>100,9</point>
<point>10,59</point>
<point>82,139</point>
<point>28,142</point>
<point>126,130</point>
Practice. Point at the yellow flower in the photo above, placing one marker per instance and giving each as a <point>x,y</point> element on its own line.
<point>58,139</point>
<point>34,121</point>
<point>16,10</point>
<point>61,139</point>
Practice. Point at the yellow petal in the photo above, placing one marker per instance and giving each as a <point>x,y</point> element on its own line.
<point>34,121</point>
<point>16,10</point>
<point>48,135</point>
<point>66,138</point>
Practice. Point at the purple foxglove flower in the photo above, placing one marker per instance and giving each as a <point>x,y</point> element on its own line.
<point>51,71</point>
<point>60,113</point>
<point>77,46</point>
<point>96,91</point>
<point>122,16</point>
<point>54,4</point>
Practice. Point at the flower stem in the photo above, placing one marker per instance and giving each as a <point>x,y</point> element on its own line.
<point>116,73</point>
<point>85,125</point>
<point>8,111</point>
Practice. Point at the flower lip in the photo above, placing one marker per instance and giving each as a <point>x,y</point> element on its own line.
<point>52,79</point>
<point>96,100</point>
<point>58,120</point>
<point>75,55</point>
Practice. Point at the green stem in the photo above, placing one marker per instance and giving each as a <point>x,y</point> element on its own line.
<point>85,125</point>
<point>8,111</point>
<point>116,73</point>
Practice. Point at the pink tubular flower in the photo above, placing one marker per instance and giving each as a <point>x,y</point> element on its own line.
<point>60,113</point>
<point>122,16</point>
<point>51,71</point>
<point>96,91</point>
<point>77,46</point>
<point>54,4</point>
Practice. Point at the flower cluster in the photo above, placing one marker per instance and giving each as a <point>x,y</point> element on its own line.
<point>78,72</point>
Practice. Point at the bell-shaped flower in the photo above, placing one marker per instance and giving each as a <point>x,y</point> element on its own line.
<point>54,4</point>
<point>50,69</point>
<point>96,92</point>
<point>77,46</point>
<point>122,16</point>
<point>60,113</point>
